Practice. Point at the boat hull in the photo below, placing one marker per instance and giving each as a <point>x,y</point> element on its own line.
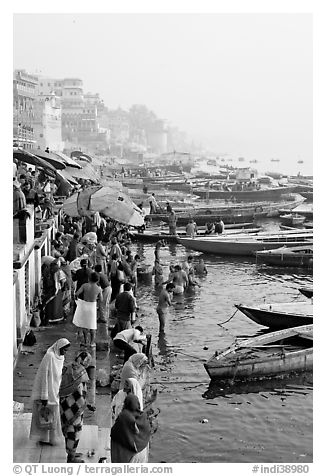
<point>234,248</point>
<point>244,361</point>
<point>300,361</point>
<point>246,195</point>
<point>274,319</point>
<point>284,258</point>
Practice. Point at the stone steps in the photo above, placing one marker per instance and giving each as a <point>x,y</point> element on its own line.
<point>29,451</point>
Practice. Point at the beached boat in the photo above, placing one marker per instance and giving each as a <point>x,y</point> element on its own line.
<point>292,219</point>
<point>298,256</point>
<point>307,291</point>
<point>245,244</point>
<point>274,354</point>
<point>280,315</point>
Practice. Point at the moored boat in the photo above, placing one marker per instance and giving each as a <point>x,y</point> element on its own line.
<point>274,354</point>
<point>246,245</point>
<point>298,256</point>
<point>229,212</point>
<point>279,315</point>
<point>292,219</point>
<point>153,236</point>
<point>268,193</point>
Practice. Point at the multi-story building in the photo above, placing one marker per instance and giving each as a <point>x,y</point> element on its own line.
<point>47,122</point>
<point>24,92</point>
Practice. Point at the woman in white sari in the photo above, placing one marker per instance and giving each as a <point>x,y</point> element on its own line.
<point>45,394</point>
<point>131,386</point>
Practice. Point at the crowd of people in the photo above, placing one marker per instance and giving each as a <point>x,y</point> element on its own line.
<point>60,399</point>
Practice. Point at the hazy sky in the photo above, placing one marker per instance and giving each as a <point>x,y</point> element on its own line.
<point>240,83</point>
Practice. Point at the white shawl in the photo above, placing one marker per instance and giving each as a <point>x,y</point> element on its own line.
<point>48,378</point>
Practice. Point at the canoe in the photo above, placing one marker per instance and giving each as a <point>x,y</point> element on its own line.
<point>298,256</point>
<point>274,354</point>
<point>279,315</point>
<point>307,291</point>
<point>246,245</point>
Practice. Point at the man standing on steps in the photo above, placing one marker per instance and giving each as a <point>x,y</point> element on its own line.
<point>85,315</point>
<point>106,292</point>
<point>125,306</point>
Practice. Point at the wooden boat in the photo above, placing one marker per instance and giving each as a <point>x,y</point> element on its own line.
<point>246,245</point>
<point>153,236</point>
<point>268,193</point>
<point>229,212</point>
<point>307,291</point>
<point>292,219</point>
<point>298,256</point>
<point>279,315</point>
<point>274,354</point>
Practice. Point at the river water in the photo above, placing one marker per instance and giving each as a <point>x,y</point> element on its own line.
<point>262,422</point>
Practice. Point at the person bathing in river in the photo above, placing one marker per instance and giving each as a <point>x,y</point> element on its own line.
<point>180,280</point>
<point>158,273</point>
<point>187,264</point>
<point>158,247</point>
<point>164,301</point>
<point>200,267</point>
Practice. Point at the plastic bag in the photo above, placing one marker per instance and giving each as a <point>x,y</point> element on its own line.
<point>103,378</point>
<point>45,417</point>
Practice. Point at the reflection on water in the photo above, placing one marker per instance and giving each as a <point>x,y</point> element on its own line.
<point>287,386</point>
<point>261,421</point>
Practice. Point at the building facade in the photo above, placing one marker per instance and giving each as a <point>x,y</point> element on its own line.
<point>47,122</point>
<point>24,93</point>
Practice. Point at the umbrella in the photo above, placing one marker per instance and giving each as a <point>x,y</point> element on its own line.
<point>52,159</point>
<point>108,200</point>
<point>67,160</point>
<point>25,156</point>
